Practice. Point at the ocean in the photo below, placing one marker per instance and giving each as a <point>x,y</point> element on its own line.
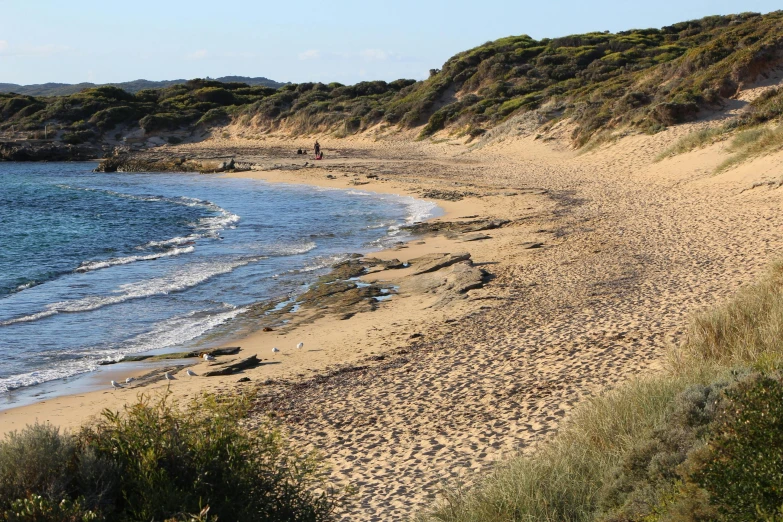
<point>97,266</point>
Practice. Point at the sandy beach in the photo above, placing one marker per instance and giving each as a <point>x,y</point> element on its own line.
<point>596,263</point>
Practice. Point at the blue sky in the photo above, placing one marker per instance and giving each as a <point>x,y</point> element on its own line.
<point>346,41</point>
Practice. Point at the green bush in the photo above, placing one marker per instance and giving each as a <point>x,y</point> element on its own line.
<point>77,137</point>
<point>157,461</point>
<point>742,466</point>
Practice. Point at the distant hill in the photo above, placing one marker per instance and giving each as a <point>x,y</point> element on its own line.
<point>642,80</point>
<point>65,89</point>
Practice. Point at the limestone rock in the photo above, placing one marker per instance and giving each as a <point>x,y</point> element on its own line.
<point>441,262</point>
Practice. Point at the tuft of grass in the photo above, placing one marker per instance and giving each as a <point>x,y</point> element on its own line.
<point>747,330</point>
<point>692,141</point>
<point>751,143</point>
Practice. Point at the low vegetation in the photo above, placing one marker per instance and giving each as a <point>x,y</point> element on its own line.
<point>752,143</point>
<point>644,79</point>
<point>159,461</point>
<point>694,140</point>
<point>703,441</point>
<point>65,89</point>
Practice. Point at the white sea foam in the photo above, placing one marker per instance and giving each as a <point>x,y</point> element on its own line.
<point>280,250</point>
<point>88,266</point>
<point>25,286</point>
<point>177,330</point>
<point>172,332</point>
<point>207,227</point>
<point>180,280</point>
<point>170,242</point>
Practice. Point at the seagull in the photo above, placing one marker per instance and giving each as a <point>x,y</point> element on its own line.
<point>168,376</point>
<point>208,357</point>
<point>116,384</point>
<point>275,349</point>
<point>129,380</point>
<point>300,345</point>
<point>191,373</point>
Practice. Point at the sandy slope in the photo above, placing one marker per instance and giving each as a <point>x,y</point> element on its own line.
<point>631,248</point>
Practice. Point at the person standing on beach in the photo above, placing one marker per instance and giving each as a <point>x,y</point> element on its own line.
<point>317,148</point>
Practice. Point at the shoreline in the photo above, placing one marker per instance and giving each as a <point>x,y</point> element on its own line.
<point>601,259</point>
<point>81,402</point>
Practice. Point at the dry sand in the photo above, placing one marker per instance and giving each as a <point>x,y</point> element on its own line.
<point>426,391</point>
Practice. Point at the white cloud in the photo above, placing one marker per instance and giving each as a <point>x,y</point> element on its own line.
<point>310,54</point>
<point>375,55</point>
<point>198,55</point>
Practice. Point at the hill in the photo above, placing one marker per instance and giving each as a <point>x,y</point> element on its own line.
<point>65,89</point>
<point>643,80</point>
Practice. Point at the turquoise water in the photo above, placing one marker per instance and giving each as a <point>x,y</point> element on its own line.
<point>97,266</point>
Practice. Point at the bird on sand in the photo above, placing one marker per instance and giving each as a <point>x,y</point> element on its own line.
<point>168,376</point>
<point>129,380</point>
<point>300,345</point>
<point>116,384</point>
<point>275,349</point>
<point>208,357</point>
<point>191,373</point>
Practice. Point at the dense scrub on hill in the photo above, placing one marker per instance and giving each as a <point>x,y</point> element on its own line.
<point>646,79</point>
<point>134,86</point>
<point>88,115</point>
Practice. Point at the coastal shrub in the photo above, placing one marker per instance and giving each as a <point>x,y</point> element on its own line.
<point>213,116</point>
<point>77,137</point>
<point>38,459</point>
<point>650,479</point>
<point>158,460</point>
<point>742,465</point>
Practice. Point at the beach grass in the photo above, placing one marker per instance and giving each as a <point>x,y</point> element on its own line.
<point>752,143</point>
<point>692,141</point>
<point>648,449</point>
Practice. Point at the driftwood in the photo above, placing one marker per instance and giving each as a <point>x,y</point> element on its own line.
<point>241,364</point>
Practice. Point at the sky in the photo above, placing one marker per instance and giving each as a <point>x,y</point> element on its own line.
<point>340,40</point>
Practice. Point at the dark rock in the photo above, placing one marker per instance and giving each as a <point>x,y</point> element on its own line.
<point>462,227</point>
<point>391,264</point>
<point>531,244</point>
<point>476,237</point>
<point>31,150</point>
<point>672,113</point>
<point>244,379</point>
<point>242,364</point>
<point>442,262</point>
